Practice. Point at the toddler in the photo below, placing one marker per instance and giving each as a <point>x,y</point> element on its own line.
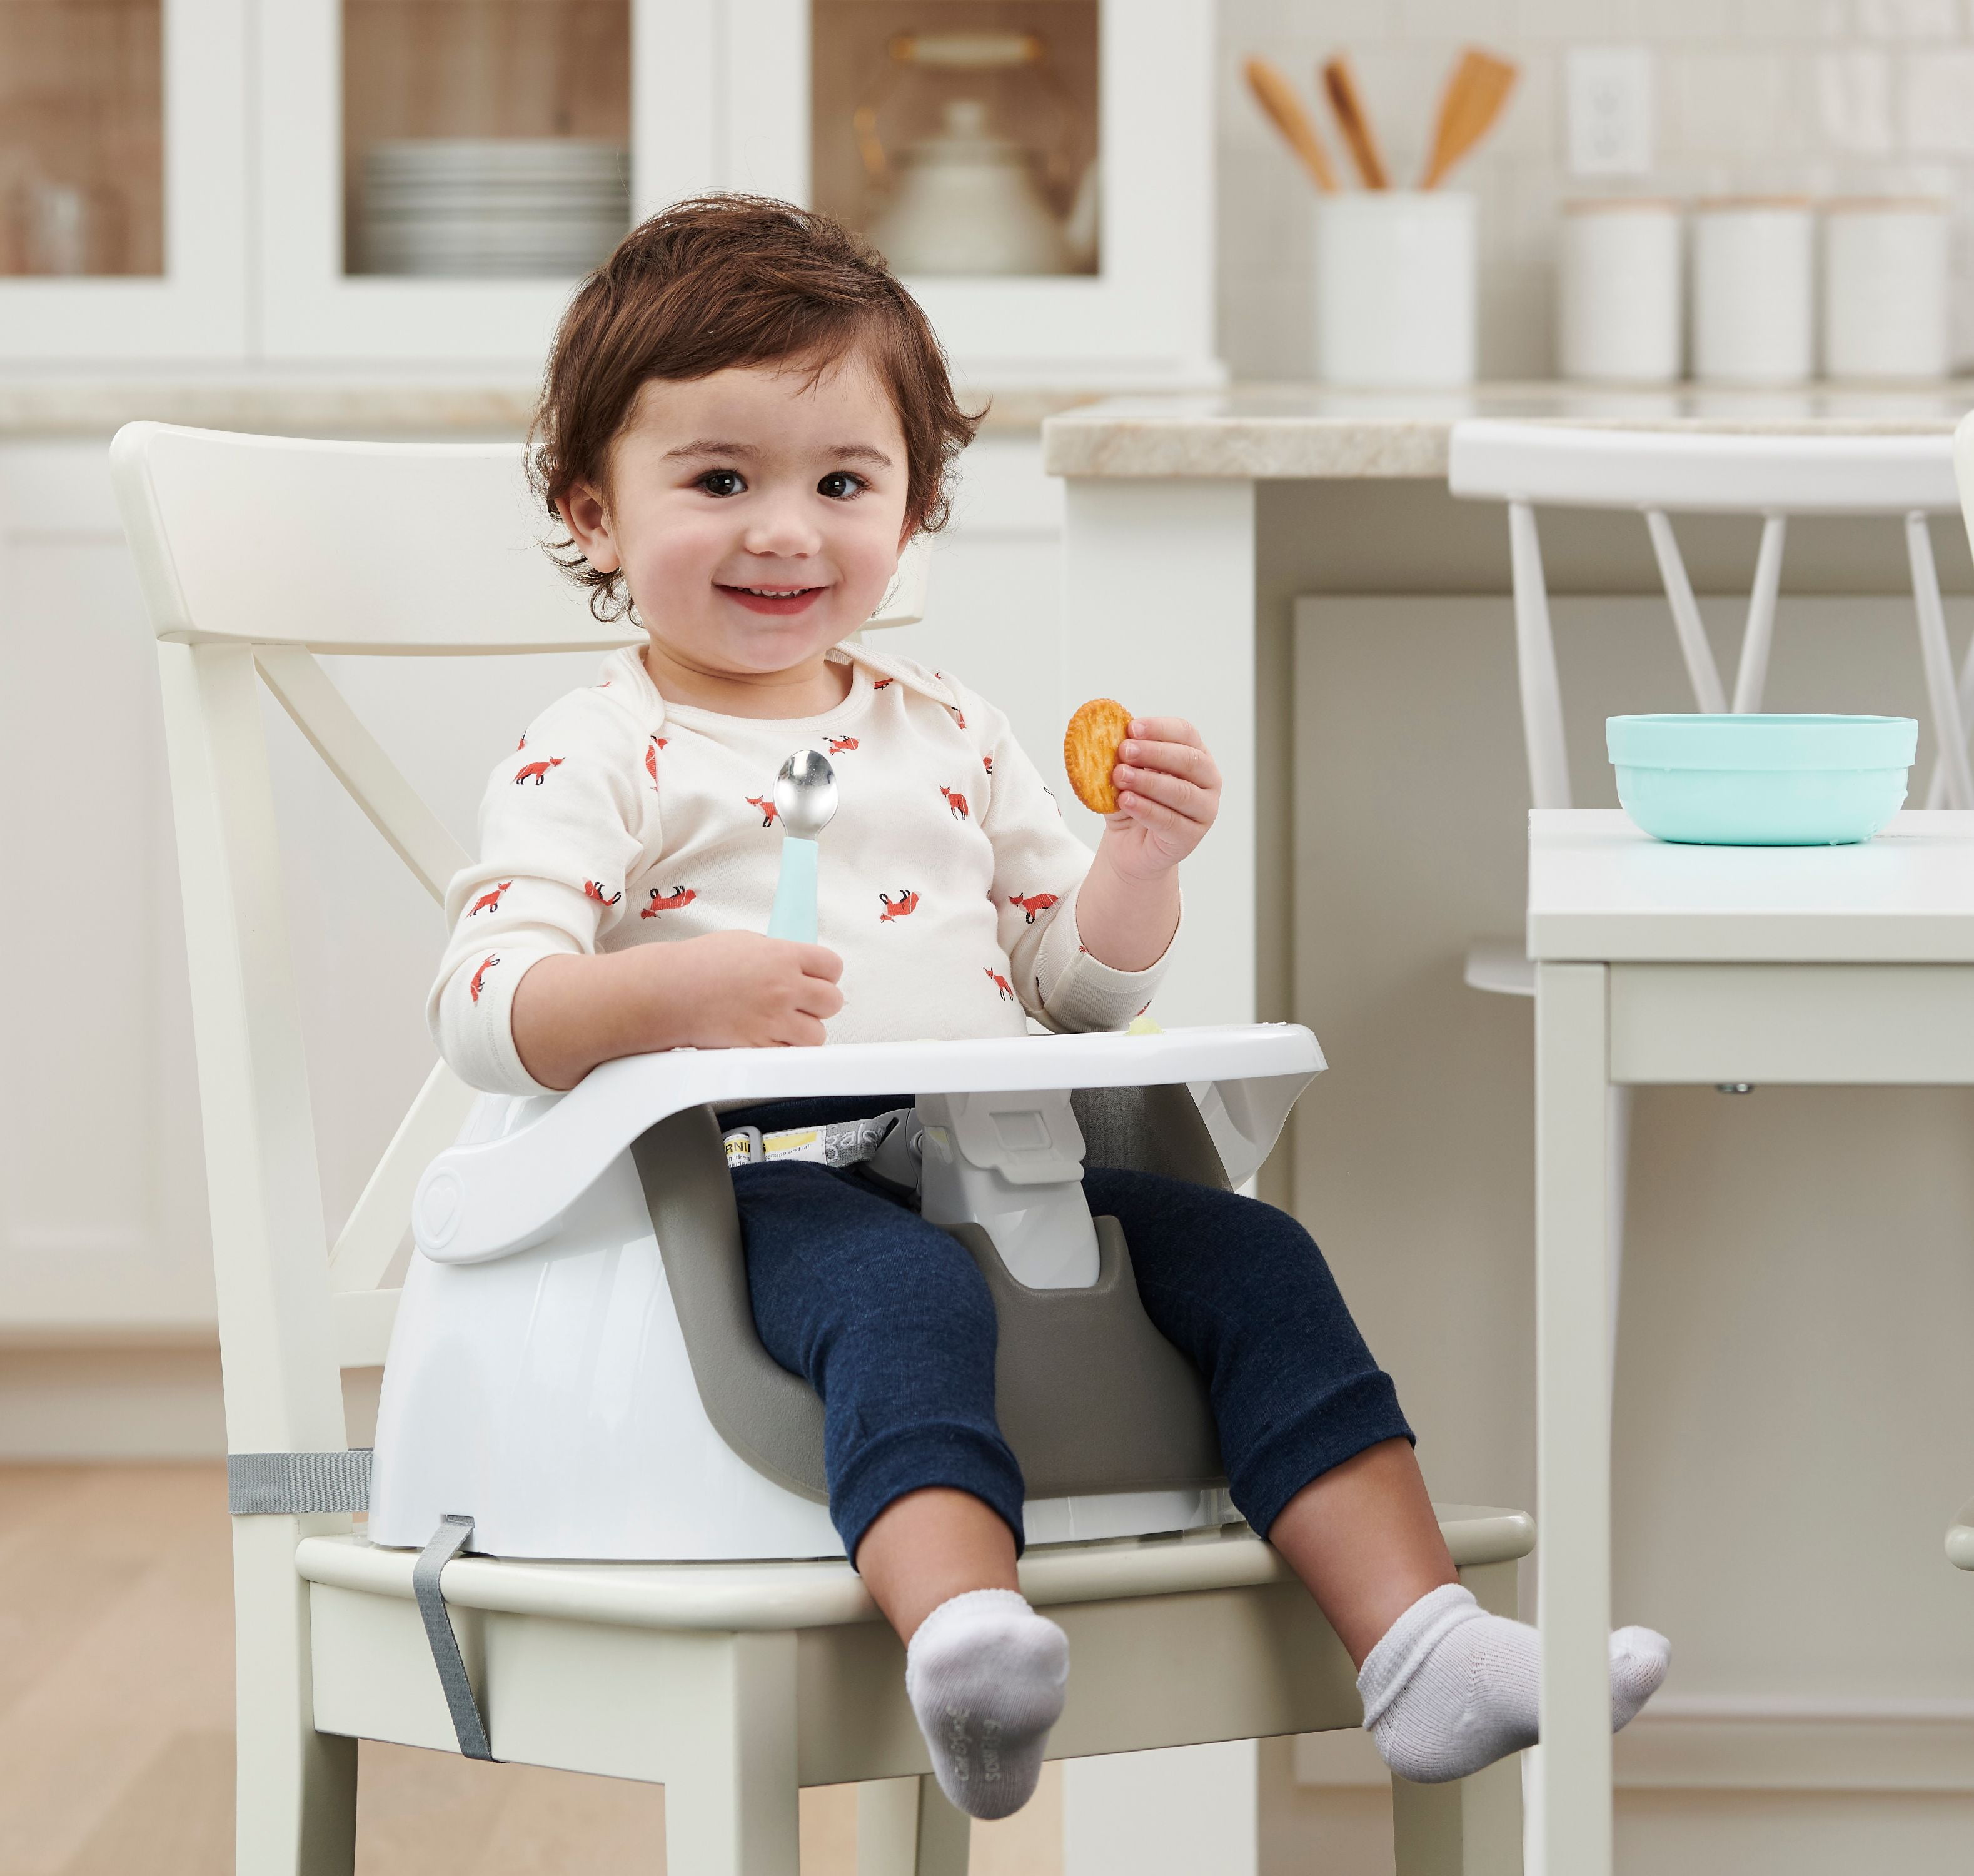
<point>745,418</point>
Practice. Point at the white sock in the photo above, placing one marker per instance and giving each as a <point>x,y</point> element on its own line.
<point>1449,1688</point>
<point>985,1676</point>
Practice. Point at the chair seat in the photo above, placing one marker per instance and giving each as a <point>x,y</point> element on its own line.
<point>1960,1540</point>
<point>1502,965</point>
<point>824,1592</point>
<point>630,1669</point>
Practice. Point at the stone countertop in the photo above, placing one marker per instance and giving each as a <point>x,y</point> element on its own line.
<point>422,404</point>
<point>1311,432</point>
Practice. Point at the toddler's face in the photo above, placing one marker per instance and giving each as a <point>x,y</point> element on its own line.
<point>757,516</point>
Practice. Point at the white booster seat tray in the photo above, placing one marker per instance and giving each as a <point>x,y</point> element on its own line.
<point>575,1367</point>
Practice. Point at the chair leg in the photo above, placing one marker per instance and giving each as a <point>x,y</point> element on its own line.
<point>945,1834</point>
<point>732,1808</point>
<point>1472,1828</point>
<point>906,1828</point>
<point>295,1803</point>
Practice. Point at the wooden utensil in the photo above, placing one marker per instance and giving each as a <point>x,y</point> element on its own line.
<point>1276,96</point>
<point>1474,96</point>
<point>1340,84</point>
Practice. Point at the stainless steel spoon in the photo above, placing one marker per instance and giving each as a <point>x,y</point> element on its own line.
<point>805,795</point>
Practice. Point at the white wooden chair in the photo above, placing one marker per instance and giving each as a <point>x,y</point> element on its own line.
<point>1659,473</point>
<point>731,1685</point>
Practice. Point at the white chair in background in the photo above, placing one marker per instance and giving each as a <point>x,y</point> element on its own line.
<point>732,1684</point>
<point>1659,473</point>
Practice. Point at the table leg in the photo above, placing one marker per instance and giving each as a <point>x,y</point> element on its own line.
<point>1573,1416</point>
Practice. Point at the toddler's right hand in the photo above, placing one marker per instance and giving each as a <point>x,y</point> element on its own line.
<point>739,989</point>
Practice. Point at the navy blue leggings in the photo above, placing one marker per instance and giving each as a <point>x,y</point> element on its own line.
<point>889,1319</point>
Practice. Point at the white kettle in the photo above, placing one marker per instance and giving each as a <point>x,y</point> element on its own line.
<point>968,202</point>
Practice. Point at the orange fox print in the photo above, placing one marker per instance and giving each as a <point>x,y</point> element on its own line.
<point>987,763</point>
<point>956,716</point>
<point>678,897</point>
<point>488,902</point>
<point>769,812</point>
<point>523,744</point>
<point>593,889</point>
<point>536,772</point>
<point>954,800</point>
<point>1034,903</point>
<point>651,757</point>
<point>883,683</point>
<point>1001,984</point>
<point>906,902</point>
<point>838,744</point>
<point>479,976</point>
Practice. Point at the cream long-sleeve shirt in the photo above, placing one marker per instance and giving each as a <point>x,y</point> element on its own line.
<point>947,879</point>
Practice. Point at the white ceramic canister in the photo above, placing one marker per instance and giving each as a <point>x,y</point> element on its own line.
<point>1395,295</point>
<point>1753,290</point>
<point>1620,307</point>
<point>1884,288</point>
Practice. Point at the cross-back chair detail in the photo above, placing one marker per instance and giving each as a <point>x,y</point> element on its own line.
<point>1661,473</point>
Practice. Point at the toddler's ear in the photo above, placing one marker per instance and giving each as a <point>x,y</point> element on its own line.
<point>587,521</point>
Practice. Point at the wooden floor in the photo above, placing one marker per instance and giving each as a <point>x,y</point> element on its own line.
<point>116,1719</point>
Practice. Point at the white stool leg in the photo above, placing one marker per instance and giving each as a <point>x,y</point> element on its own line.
<point>906,1828</point>
<point>295,1803</point>
<point>733,1810</point>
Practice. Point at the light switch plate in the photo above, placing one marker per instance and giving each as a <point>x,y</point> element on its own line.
<point>1608,96</point>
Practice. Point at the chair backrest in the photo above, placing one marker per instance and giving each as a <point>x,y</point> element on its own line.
<point>252,553</point>
<point>1662,473</point>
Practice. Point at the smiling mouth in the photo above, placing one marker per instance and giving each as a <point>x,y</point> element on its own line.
<point>774,599</point>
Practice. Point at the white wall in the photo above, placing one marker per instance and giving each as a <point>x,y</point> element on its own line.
<point>1821,96</point>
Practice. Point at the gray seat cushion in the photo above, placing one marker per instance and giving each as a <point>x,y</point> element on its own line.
<point>1091,1396</point>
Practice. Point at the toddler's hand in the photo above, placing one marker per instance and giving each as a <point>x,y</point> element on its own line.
<point>738,989</point>
<point>1168,795</point>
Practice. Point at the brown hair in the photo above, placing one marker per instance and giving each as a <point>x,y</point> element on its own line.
<point>724,280</point>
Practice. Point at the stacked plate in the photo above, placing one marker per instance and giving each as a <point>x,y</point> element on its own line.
<point>492,207</point>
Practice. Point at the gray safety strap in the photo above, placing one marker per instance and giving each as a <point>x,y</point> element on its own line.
<point>287,1483</point>
<point>448,1541</point>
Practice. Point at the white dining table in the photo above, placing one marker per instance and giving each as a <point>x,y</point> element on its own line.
<point>1663,963</point>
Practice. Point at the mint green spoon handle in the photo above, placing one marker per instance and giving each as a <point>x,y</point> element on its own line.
<point>794,915</point>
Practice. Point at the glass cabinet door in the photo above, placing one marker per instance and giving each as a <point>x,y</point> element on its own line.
<point>441,173</point>
<point>961,139</point>
<point>485,140</point>
<point>122,165</point>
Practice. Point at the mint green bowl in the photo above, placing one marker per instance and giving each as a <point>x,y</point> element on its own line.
<point>1762,781</point>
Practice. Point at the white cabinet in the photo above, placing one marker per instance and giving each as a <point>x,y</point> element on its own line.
<point>123,182</point>
<point>422,182</point>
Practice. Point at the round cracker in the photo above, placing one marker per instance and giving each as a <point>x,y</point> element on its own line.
<point>1089,752</point>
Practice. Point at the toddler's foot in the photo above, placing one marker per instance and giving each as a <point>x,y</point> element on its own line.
<point>985,1676</point>
<point>1450,1688</point>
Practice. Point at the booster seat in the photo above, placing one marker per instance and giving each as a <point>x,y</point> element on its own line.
<point>575,1363</point>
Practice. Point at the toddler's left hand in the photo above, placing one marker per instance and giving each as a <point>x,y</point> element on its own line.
<point>1168,795</point>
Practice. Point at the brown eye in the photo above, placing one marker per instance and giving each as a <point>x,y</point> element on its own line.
<point>838,484</point>
<point>722,482</point>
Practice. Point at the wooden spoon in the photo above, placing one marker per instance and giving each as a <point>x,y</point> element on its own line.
<point>1474,96</point>
<point>1341,85</point>
<point>1276,96</point>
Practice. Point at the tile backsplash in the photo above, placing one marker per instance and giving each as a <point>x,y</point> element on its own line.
<point>1818,97</point>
